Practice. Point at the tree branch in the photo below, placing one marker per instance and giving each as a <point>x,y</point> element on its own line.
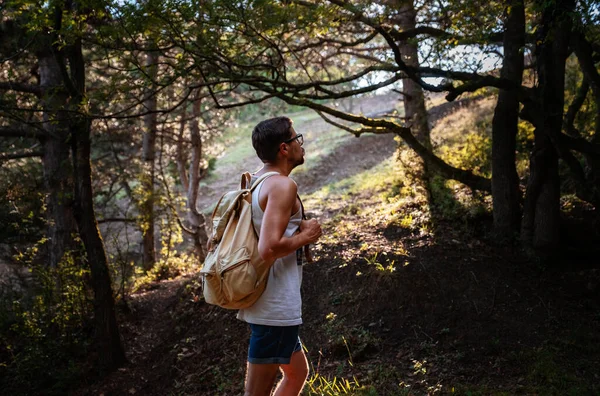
<point>584,52</point>
<point>355,132</point>
<point>574,108</point>
<point>24,154</point>
<point>18,87</point>
<point>392,36</point>
<point>17,132</point>
<point>116,220</point>
<point>384,126</point>
<point>324,41</point>
<point>345,94</point>
<point>579,144</point>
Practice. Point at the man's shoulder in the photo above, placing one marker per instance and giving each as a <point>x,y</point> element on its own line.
<point>279,184</point>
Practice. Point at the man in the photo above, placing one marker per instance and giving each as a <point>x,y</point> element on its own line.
<point>277,216</point>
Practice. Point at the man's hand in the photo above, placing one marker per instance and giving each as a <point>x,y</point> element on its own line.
<point>311,230</point>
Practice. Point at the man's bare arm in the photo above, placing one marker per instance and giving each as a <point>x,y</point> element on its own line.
<point>272,244</point>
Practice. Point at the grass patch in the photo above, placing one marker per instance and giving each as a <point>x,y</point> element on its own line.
<point>548,375</point>
<point>236,151</point>
<point>304,116</point>
<point>380,196</point>
<point>454,201</point>
<point>237,154</point>
<point>463,138</point>
<point>235,145</point>
<point>320,144</point>
<point>375,181</point>
<point>326,386</point>
<point>548,371</point>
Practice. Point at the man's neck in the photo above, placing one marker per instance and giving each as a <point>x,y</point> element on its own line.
<point>281,169</point>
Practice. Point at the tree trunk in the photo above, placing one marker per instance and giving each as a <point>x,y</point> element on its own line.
<point>196,219</point>
<point>181,154</point>
<point>149,154</point>
<point>413,99</point>
<point>415,112</point>
<point>594,162</point>
<point>505,181</point>
<point>190,179</point>
<point>110,350</point>
<point>540,227</point>
<point>587,182</point>
<point>57,168</point>
<point>584,54</point>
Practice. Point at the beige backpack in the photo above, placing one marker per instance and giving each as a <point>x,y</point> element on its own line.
<point>234,275</point>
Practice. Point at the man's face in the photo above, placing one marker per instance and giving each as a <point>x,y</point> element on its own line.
<point>296,150</point>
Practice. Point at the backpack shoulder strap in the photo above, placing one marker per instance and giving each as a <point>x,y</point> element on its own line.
<point>261,179</point>
<point>307,253</point>
<point>245,183</point>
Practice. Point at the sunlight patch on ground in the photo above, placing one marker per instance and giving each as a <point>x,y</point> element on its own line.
<point>355,211</point>
<point>380,195</point>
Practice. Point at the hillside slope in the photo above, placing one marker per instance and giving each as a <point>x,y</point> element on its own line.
<point>399,300</point>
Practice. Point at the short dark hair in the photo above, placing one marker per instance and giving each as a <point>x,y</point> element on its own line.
<point>268,135</point>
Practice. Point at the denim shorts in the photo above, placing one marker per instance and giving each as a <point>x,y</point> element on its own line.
<point>273,344</point>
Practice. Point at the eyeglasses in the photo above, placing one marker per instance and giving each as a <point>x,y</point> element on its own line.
<point>298,136</point>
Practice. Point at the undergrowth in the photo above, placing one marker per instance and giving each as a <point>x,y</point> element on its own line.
<point>45,332</point>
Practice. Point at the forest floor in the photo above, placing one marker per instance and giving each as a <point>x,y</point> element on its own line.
<point>399,301</point>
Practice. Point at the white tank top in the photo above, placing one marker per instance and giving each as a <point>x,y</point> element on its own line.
<point>281,303</point>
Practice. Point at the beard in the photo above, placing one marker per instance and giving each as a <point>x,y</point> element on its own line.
<point>300,160</point>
